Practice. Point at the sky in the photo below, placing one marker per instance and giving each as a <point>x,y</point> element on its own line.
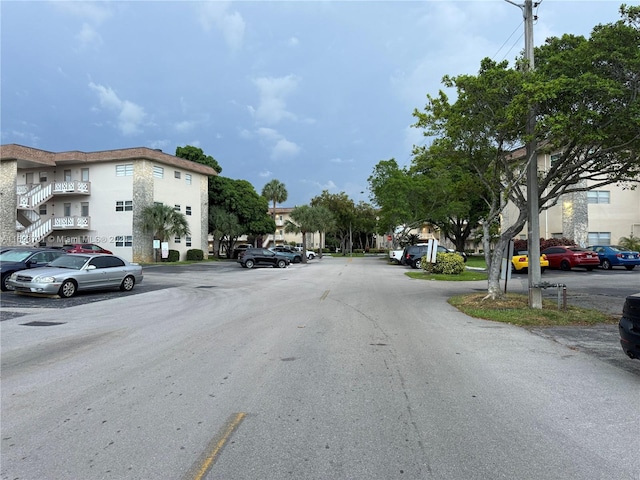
<point>312,93</point>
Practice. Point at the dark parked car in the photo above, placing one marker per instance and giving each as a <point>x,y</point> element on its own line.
<point>568,257</point>
<point>239,249</point>
<point>78,271</point>
<point>413,254</point>
<point>613,256</point>
<point>22,258</point>
<point>294,256</point>
<point>252,257</point>
<point>630,326</point>
<point>85,248</point>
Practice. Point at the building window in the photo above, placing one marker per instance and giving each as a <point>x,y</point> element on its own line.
<point>43,177</point>
<point>187,178</point>
<point>599,238</point>
<point>176,174</point>
<point>176,208</point>
<point>158,172</point>
<point>188,210</point>
<point>67,209</point>
<point>555,157</point>
<point>124,170</point>
<point>42,210</point>
<point>84,174</point>
<point>599,196</point>
<point>188,241</point>
<point>84,209</point>
<point>67,175</point>
<point>176,240</point>
<point>124,205</point>
<point>124,241</point>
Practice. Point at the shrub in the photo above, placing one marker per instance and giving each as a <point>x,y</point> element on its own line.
<point>174,256</point>
<point>446,263</point>
<point>195,254</point>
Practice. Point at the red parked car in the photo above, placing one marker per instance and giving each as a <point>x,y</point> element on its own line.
<point>568,257</point>
<point>85,248</point>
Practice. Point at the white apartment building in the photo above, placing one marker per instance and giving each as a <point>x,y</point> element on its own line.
<point>595,217</point>
<point>98,197</point>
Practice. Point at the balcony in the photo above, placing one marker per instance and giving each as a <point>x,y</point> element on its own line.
<point>30,196</point>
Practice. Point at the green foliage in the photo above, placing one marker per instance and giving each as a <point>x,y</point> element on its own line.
<point>174,256</point>
<point>196,154</point>
<point>195,254</point>
<point>275,191</point>
<point>446,263</point>
<point>631,242</point>
<point>164,222</point>
<point>544,243</point>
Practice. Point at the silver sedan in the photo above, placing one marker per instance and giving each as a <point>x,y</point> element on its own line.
<point>72,272</point>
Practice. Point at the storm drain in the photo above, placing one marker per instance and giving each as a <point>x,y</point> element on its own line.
<point>42,324</point>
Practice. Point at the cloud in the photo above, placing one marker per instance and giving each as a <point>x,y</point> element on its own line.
<point>184,126</point>
<point>265,174</point>
<point>341,160</point>
<point>89,37</point>
<point>95,12</point>
<point>280,146</point>
<point>272,107</point>
<point>130,115</point>
<point>293,42</point>
<point>231,24</point>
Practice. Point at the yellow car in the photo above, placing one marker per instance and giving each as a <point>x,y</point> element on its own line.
<point>520,261</point>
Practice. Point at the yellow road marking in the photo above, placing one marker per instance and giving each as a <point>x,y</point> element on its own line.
<point>324,295</point>
<point>206,464</point>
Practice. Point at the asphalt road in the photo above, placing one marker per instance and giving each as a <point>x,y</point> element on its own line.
<point>337,369</point>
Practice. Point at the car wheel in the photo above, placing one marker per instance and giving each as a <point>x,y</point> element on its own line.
<point>249,264</point>
<point>629,267</point>
<point>606,264</point>
<point>312,256</point>
<point>297,259</point>
<point>67,289</point>
<point>417,264</point>
<point>282,264</point>
<point>565,265</point>
<point>127,284</point>
<point>4,286</point>
<point>543,269</point>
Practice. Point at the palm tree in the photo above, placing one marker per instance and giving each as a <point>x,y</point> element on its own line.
<point>164,222</point>
<point>276,192</point>
<point>326,223</point>
<point>631,242</point>
<point>305,219</point>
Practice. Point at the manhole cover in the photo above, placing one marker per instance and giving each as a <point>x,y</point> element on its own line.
<point>42,324</point>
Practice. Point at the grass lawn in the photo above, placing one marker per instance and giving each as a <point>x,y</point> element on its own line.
<point>513,308</point>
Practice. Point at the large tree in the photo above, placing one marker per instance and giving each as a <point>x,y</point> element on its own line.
<point>196,154</point>
<point>400,197</point>
<point>239,197</point>
<point>343,210</point>
<point>585,93</point>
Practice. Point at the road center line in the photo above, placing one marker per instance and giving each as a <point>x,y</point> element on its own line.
<point>206,461</point>
<point>324,295</point>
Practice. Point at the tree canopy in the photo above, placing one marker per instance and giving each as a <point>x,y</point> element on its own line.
<point>585,95</point>
<point>196,154</point>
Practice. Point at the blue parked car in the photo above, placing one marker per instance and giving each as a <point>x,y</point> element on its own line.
<point>614,256</point>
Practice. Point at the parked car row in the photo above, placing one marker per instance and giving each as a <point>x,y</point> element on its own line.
<point>252,257</point>
<point>412,254</point>
<point>54,271</point>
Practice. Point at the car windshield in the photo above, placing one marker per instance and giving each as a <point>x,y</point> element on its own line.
<point>15,255</point>
<point>74,262</point>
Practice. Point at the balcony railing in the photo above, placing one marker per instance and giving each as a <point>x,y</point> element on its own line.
<point>30,196</point>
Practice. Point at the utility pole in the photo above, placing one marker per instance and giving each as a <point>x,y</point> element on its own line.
<point>533,220</point>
